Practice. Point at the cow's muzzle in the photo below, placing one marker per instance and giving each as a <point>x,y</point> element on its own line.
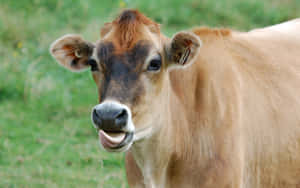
<point>113,121</point>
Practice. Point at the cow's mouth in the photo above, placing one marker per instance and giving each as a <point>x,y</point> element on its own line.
<point>115,141</point>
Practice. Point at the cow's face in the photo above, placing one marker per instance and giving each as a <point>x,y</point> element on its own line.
<point>129,65</point>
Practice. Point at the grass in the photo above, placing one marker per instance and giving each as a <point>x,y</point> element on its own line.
<point>46,136</point>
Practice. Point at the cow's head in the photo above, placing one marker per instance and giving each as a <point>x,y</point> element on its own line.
<point>129,65</point>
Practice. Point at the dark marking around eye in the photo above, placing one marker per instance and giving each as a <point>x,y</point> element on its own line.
<point>140,51</point>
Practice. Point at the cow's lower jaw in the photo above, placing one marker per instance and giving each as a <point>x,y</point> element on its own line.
<point>116,142</point>
<point>143,133</point>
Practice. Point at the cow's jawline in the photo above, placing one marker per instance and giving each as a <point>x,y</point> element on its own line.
<point>143,133</point>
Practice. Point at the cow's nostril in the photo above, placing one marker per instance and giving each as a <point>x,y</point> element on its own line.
<point>95,113</point>
<point>96,118</point>
<point>122,114</point>
<point>121,118</point>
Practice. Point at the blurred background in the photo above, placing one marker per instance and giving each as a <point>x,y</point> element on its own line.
<point>46,135</point>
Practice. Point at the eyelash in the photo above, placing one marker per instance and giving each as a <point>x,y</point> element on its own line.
<point>155,64</point>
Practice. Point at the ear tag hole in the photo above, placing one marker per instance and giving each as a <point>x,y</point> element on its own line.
<point>183,59</point>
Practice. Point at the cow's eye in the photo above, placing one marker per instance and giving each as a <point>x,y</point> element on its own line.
<point>93,64</point>
<point>154,64</point>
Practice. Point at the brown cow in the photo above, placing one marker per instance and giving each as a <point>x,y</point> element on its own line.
<point>226,116</point>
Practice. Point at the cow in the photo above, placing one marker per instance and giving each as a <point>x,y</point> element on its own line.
<point>207,108</point>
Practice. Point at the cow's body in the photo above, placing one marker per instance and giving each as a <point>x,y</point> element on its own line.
<point>233,117</point>
<point>229,119</point>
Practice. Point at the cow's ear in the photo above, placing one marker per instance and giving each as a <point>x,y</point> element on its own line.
<point>72,52</point>
<point>183,49</point>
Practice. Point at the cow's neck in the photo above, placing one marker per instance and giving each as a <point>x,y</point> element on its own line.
<point>152,154</point>
<point>153,167</point>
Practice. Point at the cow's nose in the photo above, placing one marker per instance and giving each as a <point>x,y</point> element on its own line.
<point>110,118</point>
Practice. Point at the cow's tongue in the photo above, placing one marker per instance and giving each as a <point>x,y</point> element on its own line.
<point>111,140</point>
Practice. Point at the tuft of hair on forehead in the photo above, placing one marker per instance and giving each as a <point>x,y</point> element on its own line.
<point>128,27</point>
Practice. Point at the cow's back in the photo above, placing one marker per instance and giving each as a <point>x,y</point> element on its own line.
<point>288,29</point>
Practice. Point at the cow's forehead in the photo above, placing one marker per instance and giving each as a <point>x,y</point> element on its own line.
<point>108,53</point>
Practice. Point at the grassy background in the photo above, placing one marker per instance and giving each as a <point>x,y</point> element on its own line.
<point>46,136</point>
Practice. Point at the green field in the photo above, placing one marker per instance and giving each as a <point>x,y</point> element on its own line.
<point>46,135</point>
